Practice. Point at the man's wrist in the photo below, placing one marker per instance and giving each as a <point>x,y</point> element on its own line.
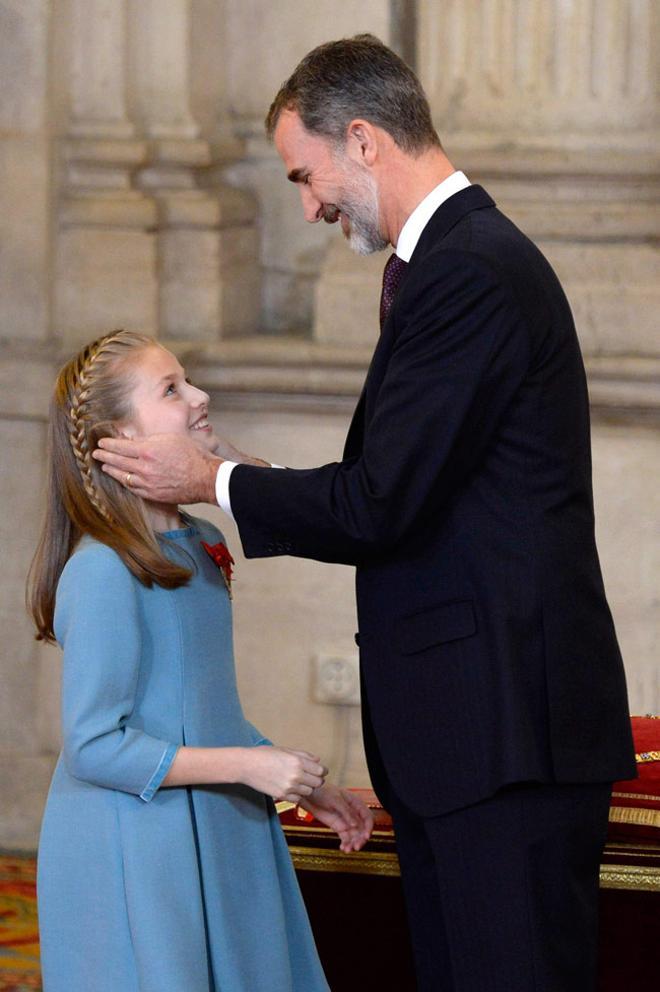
<point>212,466</point>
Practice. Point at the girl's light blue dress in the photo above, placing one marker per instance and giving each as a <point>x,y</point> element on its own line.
<point>149,889</point>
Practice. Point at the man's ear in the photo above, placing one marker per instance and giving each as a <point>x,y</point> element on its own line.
<point>361,142</point>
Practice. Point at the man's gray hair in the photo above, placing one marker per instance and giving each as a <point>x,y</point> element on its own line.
<point>357,77</point>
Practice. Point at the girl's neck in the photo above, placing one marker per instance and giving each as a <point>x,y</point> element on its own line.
<point>163,516</point>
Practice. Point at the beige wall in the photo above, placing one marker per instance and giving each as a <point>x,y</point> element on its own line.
<point>137,189</point>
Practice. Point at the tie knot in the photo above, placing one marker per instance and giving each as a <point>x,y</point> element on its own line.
<point>392,276</point>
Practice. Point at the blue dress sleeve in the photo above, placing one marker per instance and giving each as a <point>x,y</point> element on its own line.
<point>257,737</point>
<point>97,624</point>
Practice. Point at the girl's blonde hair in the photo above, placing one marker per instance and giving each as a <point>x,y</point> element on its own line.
<point>91,396</point>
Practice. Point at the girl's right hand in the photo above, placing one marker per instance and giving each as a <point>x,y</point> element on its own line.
<point>283,773</point>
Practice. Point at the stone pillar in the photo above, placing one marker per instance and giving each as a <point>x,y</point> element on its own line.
<point>209,283</point>
<point>160,48</point>
<point>105,262</point>
<point>347,295</point>
<point>105,258</point>
<point>24,167</point>
<point>292,252</point>
<point>26,369</point>
<point>98,80</point>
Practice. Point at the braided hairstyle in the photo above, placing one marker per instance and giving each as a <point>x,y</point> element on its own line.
<point>85,369</point>
<point>91,396</point>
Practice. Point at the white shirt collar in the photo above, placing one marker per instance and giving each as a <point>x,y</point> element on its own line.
<point>421,215</point>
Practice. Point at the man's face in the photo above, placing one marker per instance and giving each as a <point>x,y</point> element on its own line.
<point>332,186</point>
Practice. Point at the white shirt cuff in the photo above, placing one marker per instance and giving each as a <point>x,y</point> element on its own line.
<point>222,486</point>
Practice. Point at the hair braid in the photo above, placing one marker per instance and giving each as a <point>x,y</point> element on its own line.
<point>92,398</point>
<point>78,423</point>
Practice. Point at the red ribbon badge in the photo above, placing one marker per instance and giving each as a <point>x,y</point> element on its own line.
<point>220,554</point>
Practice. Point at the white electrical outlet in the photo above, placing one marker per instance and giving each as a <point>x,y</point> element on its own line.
<point>337,679</point>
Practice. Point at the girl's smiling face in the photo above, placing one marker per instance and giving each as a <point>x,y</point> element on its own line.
<point>163,401</point>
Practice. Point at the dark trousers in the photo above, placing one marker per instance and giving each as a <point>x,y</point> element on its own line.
<point>502,896</point>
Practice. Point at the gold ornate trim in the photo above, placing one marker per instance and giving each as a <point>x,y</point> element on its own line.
<point>645,756</point>
<point>640,878</point>
<point>636,795</point>
<point>357,863</point>
<point>640,849</point>
<point>636,815</point>
<point>637,877</point>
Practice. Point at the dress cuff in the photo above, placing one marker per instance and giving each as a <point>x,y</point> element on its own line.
<point>157,778</point>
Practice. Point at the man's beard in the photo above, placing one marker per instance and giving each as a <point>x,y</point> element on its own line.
<point>359,205</point>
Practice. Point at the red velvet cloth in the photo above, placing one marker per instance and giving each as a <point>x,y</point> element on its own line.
<point>634,810</point>
<point>635,806</point>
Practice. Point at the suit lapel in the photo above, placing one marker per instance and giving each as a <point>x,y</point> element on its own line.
<point>443,220</point>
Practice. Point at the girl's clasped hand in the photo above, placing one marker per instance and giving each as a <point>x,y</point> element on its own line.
<point>284,773</point>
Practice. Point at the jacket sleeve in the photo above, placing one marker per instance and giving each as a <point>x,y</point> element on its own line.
<point>97,624</point>
<point>461,352</point>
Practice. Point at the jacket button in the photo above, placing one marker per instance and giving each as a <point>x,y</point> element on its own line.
<point>270,550</point>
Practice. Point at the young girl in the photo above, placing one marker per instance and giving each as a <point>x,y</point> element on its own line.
<point>162,866</point>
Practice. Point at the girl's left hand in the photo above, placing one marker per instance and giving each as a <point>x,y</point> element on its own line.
<point>343,812</point>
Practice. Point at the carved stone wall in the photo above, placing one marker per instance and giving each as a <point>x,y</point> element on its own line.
<point>138,189</point>
<point>120,121</point>
<point>539,68</point>
<point>111,215</point>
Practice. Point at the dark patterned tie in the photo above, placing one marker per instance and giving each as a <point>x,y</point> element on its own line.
<point>392,276</point>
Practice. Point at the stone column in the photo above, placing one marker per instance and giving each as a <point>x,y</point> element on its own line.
<point>292,252</point>
<point>209,285</point>
<point>26,371</point>
<point>24,167</point>
<point>105,258</point>
<point>160,53</point>
<point>98,81</point>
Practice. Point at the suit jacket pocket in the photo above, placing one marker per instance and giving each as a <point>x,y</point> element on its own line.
<point>446,622</point>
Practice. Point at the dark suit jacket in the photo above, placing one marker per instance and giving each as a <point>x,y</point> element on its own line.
<point>464,498</point>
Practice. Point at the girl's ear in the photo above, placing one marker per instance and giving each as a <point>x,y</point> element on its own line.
<point>125,430</point>
<point>109,429</point>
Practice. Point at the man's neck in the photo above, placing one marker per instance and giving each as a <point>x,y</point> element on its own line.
<point>405,184</point>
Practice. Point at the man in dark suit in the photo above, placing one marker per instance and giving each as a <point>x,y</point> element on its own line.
<point>494,701</point>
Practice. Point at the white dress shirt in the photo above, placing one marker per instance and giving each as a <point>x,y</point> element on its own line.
<point>405,246</point>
